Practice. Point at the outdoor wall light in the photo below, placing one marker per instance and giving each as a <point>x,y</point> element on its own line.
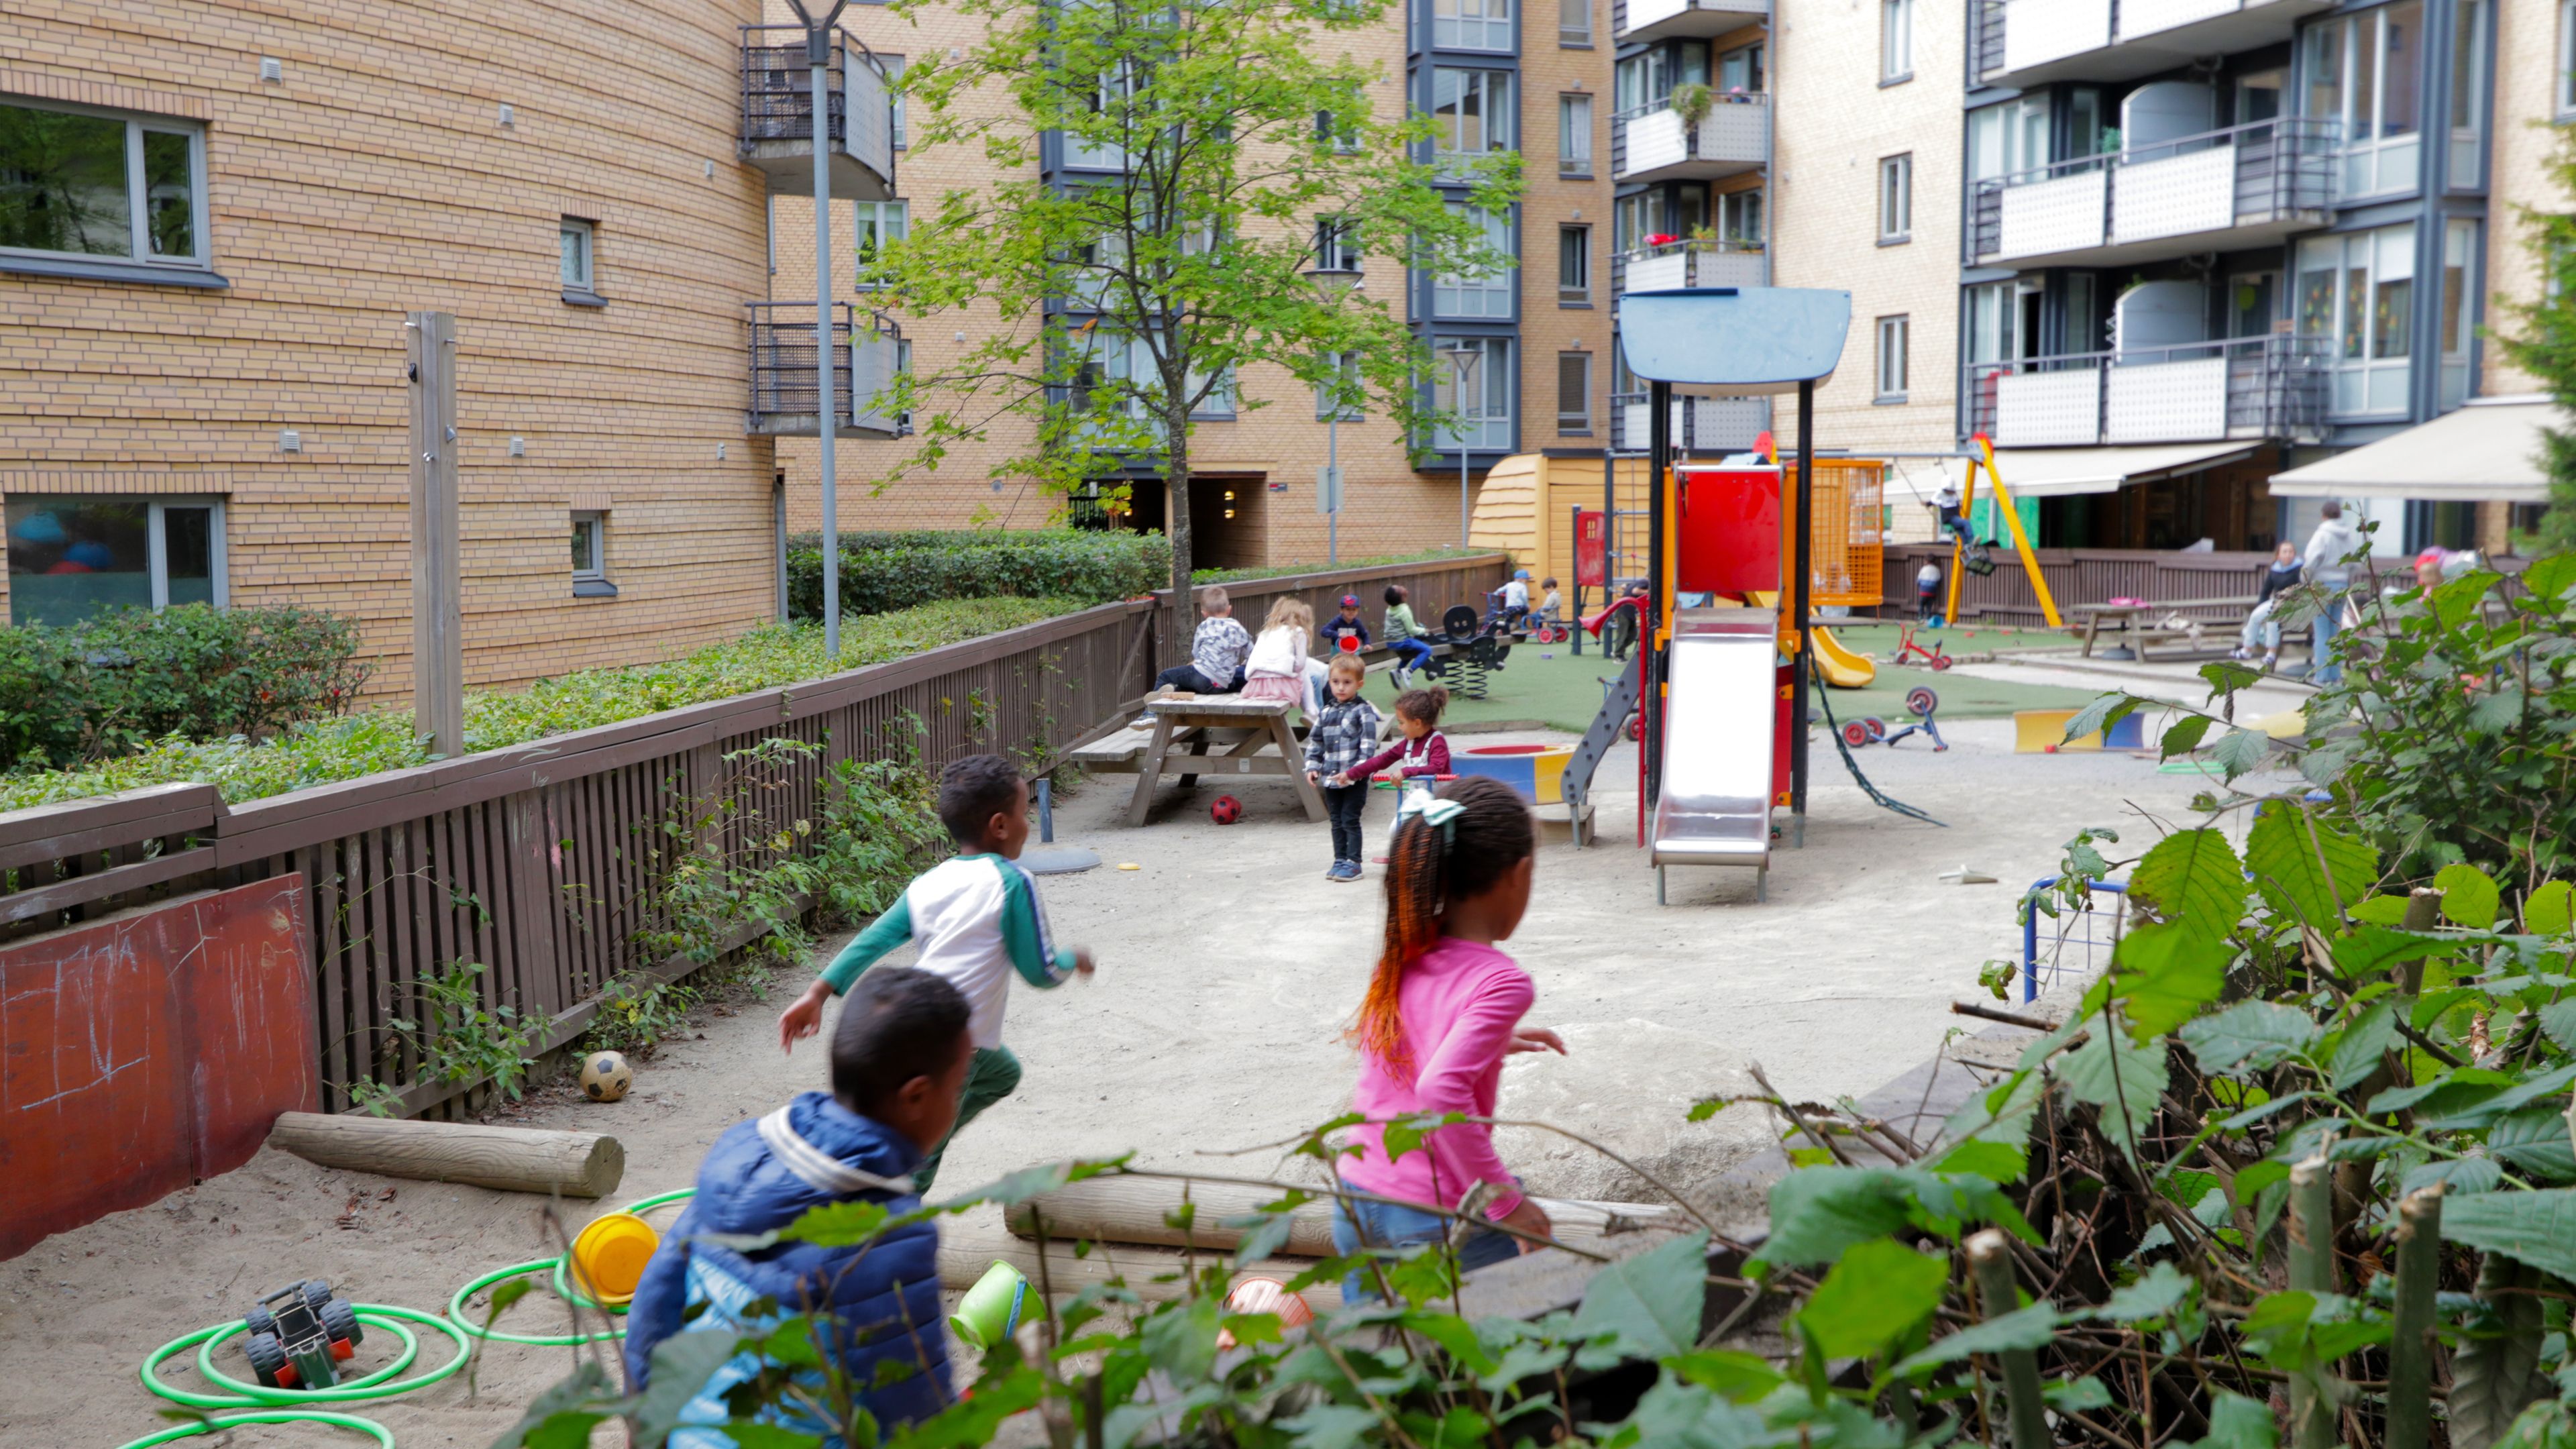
<point>1229,497</point>
<point>1229,513</point>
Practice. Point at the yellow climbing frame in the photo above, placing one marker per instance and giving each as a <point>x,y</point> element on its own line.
<point>2012,520</point>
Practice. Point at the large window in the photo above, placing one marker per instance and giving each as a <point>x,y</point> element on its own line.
<point>1574,266</point>
<point>2459,307</point>
<point>1674,211</point>
<point>1574,23</point>
<point>1573,393</point>
<point>1471,111</point>
<point>93,184</point>
<point>1108,99</point>
<point>2364,74</point>
<point>1471,24</point>
<point>1479,369</point>
<point>1739,217</point>
<point>2007,139</point>
<point>76,557</point>
<point>1891,359</point>
<point>1895,40</point>
<point>1573,135</point>
<point>1478,292</point>
<point>1646,81</point>
<point>1895,198</point>
<point>879,222</point>
<point>1743,71</point>
<point>2358,291</point>
<point>1993,322</point>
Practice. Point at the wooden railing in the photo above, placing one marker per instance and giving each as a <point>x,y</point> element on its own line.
<point>2082,576</point>
<point>535,860</point>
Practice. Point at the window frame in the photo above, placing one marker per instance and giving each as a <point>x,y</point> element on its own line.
<point>1889,374</point>
<point>1568,37</point>
<point>1896,199</point>
<point>597,569</point>
<point>1573,160</point>
<point>157,542</point>
<point>585,291</point>
<point>1575,424</point>
<point>869,226</point>
<point>1346,365</point>
<point>1457,34</point>
<point>1499,114</point>
<point>138,193</point>
<point>1500,353</point>
<point>1574,244</point>
<point>1338,245</point>
<point>1498,291</point>
<point>1895,42</point>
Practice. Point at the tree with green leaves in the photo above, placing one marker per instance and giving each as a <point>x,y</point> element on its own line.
<point>2545,343</point>
<point>1176,172</point>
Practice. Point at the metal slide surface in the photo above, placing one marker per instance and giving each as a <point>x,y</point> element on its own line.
<point>1716,803</point>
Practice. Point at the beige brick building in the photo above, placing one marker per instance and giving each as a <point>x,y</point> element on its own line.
<point>213,219</point>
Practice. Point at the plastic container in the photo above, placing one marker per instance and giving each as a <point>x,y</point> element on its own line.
<point>609,1254</point>
<point>991,1309</point>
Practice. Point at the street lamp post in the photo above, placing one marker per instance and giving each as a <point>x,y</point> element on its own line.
<point>1462,355</point>
<point>1333,281</point>
<point>818,63</point>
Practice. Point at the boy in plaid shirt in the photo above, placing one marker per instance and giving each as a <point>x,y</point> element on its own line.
<point>1344,734</point>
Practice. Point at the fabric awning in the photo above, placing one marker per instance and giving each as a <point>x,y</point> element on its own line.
<point>2486,452</point>
<point>2064,472</point>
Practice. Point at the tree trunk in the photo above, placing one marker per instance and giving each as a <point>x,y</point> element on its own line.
<point>1176,522</point>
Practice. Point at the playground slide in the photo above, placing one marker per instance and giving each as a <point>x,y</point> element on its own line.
<point>1843,669</point>
<point>1716,803</point>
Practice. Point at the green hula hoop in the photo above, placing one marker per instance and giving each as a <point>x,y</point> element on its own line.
<point>241,1394</point>
<point>383,1436</point>
<point>562,1285</point>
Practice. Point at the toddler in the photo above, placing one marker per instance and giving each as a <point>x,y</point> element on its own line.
<point>1217,650</point>
<point>1277,667</point>
<point>1409,640</point>
<point>1344,730</point>
<point>1423,752</point>
<point>1549,603</point>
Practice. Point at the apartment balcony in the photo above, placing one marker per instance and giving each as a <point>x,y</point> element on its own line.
<point>783,381</point>
<point>1643,20</point>
<point>2249,388</point>
<point>778,117</point>
<point>2031,42</point>
<point>1690,264</point>
<point>2220,191</point>
<point>1705,425</point>
<point>1653,144</point>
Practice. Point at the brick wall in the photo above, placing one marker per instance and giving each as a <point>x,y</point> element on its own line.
<point>2527,48</point>
<point>375,178</point>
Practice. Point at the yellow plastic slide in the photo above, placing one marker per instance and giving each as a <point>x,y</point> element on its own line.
<point>1843,669</point>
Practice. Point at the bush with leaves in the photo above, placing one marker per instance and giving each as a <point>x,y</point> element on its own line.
<point>886,571</point>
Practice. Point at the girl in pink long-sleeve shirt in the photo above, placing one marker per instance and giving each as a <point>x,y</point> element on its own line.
<point>1443,1010</point>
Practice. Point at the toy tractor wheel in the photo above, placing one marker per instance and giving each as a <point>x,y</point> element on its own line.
<point>268,1360</point>
<point>340,1320</point>
<point>1921,701</point>
<point>259,1321</point>
<point>1877,728</point>
<point>1856,733</point>
<point>317,1293</point>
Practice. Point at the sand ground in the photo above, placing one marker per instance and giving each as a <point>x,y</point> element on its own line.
<point>1228,968</point>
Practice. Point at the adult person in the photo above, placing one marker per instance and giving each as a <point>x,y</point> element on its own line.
<point>2326,561</point>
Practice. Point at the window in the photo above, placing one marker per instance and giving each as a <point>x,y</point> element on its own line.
<point>1108,103</point>
<point>1896,40</point>
<point>1895,198</point>
<point>2008,139</point>
<point>2363,76</point>
<point>76,557</point>
<point>1646,81</point>
<point>1471,111</point>
<point>1471,24</point>
<point>579,247</point>
<point>589,545</point>
<point>1473,291</point>
<point>1574,266</point>
<point>2459,307</point>
<point>1337,244</point>
<point>1891,359</point>
<point>1574,393</point>
<point>1573,135</point>
<point>1739,218</point>
<point>903,368</point>
<point>1345,367</point>
<point>879,222</point>
<point>1574,23</point>
<point>1484,365</point>
<point>2468,94</point>
<point>893,67</point>
<point>2358,292</point>
<point>1741,71</point>
<point>2566,57</point>
<point>88,184</point>
<point>1344,138</point>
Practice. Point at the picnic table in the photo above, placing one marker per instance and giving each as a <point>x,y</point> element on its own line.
<point>1248,730</point>
<point>2137,630</point>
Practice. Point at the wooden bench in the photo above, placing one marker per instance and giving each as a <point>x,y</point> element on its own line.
<point>2139,629</point>
<point>1247,730</point>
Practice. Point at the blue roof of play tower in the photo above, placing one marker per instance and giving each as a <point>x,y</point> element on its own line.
<point>1734,340</point>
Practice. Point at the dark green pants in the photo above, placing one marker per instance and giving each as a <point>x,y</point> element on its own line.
<point>991,1075</point>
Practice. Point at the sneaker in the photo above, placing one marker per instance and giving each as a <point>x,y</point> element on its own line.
<point>1403,678</point>
<point>1144,721</point>
<point>2271,662</point>
<point>1346,871</point>
<point>1333,871</point>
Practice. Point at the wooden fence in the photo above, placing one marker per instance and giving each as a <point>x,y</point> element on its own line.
<point>537,861</point>
<point>2083,576</point>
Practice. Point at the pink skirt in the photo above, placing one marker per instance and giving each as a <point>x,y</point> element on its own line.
<point>1275,686</point>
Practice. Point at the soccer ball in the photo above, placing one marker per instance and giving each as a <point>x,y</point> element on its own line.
<point>1226,810</point>
<point>605,1076</point>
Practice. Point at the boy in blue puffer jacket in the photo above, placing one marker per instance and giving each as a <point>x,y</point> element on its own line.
<point>899,1055</point>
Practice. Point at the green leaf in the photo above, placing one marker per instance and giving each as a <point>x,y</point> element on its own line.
<point>2548,911</point>
<point>1329,1426</point>
<point>1740,1377</point>
<point>2153,1296</point>
<point>2227,678</point>
<point>2371,949</point>
<point>1879,1290</point>
<point>2077,1395</point>
<point>2455,601</point>
<point>1994,1161</point>
<point>2537,1228</point>
<point>580,1400</point>
<point>2031,1327</point>
<point>1817,1212</point>
<point>2126,1080</point>
<point>2358,1052</point>
<point>2237,1422</point>
<point>2242,752</point>
<point>1652,1300</point>
<point>2184,735</point>
<point>2104,712</point>
<point>1181,1340</point>
<point>1266,1235</point>
<point>750,1434</point>
<point>2459,1176</point>
<point>2166,972</point>
<point>2257,1176</point>
<point>2192,879</point>
<point>682,1364</point>
<point>2495,1372</point>
<point>2558,1023</point>
<point>2381,911</point>
<point>2551,577</point>
<point>2535,1141</point>
<point>2469,895</point>
<point>2309,862</point>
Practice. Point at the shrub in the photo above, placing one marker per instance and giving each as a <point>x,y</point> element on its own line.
<point>111,685</point>
<point>881,572</point>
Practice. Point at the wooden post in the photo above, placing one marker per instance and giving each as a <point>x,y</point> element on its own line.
<point>507,1159</point>
<point>2312,1270</point>
<point>2410,1344</point>
<point>437,586</point>
<point>1991,1261</point>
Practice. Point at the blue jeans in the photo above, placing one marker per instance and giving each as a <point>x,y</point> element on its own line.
<point>1410,653</point>
<point>1391,1225</point>
<point>2322,668</point>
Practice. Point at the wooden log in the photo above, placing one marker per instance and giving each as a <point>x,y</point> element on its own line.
<point>1118,1209</point>
<point>506,1159</point>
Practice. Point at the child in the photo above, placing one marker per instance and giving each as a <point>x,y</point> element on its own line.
<point>900,1055</point>
<point>1549,604</point>
<point>1516,597</point>
<point>1217,650</point>
<point>1424,751</point>
<point>1443,1010</point>
<point>975,918</point>
<point>1927,591</point>
<point>1407,638</point>
<point>1344,730</point>
<point>1277,666</point>
<point>1346,625</point>
<point>2259,625</point>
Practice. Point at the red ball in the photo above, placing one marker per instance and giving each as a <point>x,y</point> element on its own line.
<point>1226,810</point>
<point>2048,749</point>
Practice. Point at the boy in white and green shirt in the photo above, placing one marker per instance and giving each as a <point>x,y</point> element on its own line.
<point>975,921</point>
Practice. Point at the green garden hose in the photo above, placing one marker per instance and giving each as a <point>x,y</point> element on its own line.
<point>240,1394</point>
<point>559,1266</point>
<point>383,1436</point>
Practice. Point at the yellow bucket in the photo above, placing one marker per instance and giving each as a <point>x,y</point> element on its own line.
<point>609,1254</point>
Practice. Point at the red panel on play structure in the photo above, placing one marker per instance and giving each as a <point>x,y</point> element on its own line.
<point>1729,531</point>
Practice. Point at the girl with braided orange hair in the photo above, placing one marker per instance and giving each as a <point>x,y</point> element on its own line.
<point>1443,1009</point>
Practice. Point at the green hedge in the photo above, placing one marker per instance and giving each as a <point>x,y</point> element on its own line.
<point>881,572</point>
<point>108,686</point>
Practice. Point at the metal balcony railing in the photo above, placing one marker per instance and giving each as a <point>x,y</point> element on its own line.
<point>2248,387</point>
<point>1663,266</point>
<point>778,107</point>
<point>783,382</point>
<point>1650,141</point>
<point>2276,170</point>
